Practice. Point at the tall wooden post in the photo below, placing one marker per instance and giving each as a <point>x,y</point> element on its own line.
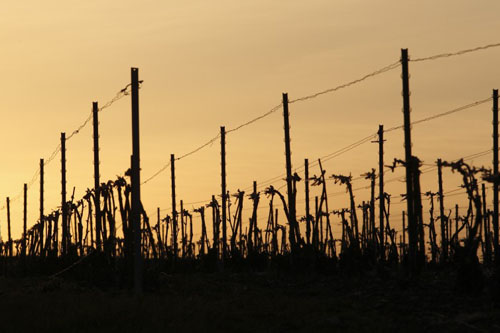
<point>63,196</point>
<point>308,215</point>
<point>291,197</point>
<point>381,188</point>
<point>174,212</point>
<point>8,227</point>
<point>42,219</point>
<point>136,183</point>
<point>442,217</point>
<point>412,223</point>
<point>495,173</point>
<point>223,189</point>
<point>97,189</point>
<point>25,221</point>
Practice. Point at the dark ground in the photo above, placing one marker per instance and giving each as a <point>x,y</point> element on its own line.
<point>251,302</point>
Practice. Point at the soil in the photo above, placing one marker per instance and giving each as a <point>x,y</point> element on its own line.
<point>378,301</point>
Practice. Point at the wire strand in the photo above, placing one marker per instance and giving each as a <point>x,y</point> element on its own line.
<point>443,114</point>
<point>348,84</point>
<point>452,54</point>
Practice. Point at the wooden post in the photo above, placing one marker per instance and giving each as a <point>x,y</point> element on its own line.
<point>456,221</point>
<point>381,188</point>
<point>308,215</point>
<point>158,233</point>
<point>174,212</point>
<point>215,245</point>
<point>42,219</point>
<point>25,221</point>
<point>97,189</point>
<point>8,227</point>
<point>183,231</point>
<point>412,222</point>
<point>254,219</point>
<point>442,217</point>
<point>291,196</point>
<point>404,232</point>
<point>136,183</point>
<point>63,196</point>
<point>486,240</point>
<point>223,189</point>
<point>316,238</point>
<point>495,174</point>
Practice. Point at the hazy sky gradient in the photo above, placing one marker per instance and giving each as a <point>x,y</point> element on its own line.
<point>207,64</point>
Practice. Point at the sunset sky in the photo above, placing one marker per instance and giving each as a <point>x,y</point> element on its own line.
<point>222,63</point>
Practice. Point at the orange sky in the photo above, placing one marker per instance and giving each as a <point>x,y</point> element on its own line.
<point>207,64</point>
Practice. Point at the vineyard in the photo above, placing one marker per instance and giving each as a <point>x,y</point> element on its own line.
<point>107,237</point>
